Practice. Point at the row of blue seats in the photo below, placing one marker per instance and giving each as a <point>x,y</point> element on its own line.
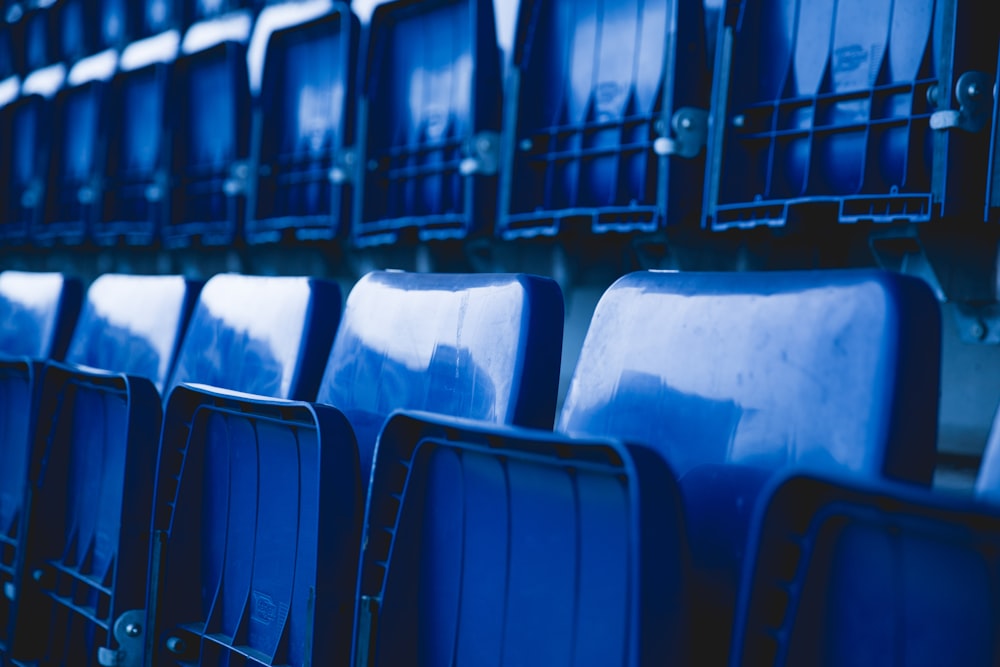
<point>739,458</point>
<point>298,125</point>
<point>38,33</point>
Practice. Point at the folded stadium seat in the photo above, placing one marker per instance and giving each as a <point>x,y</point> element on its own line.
<point>727,377</point>
<point>24,157</point>
<point>259,503</point>
<point>847,573</point>
<point>37,314</point>
<point>7,66</point>
<point>92,468</point>
<point>76,167</point>
<point>31,28</point>
<point>302,61</point>
<point>429,123</point>
<point>212,136</point>
<point>608,117</point>
<point>855,112</point>
<point>136,188</point>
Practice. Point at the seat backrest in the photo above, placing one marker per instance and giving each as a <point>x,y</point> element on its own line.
<point>302,63</point>
<point>480,346</point>
<point>606,94</point>
<point>431,118</point>
<point>833,369</point>
<point>37,313</point>
<point>211,107</point>
<point>260,335</point>
<point>133,324</point>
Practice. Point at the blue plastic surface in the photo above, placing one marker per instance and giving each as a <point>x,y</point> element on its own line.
<point>841,573</point>
<point>23,164</point>
<point>307,103</point>
<point>609,118</point>
<point>482,346</point>
<point>505,546</point>
<point>74,26</point>
<point>136,193</point>
<point>256,532</point>
<point>86,543</point>
<point>265,336</point>
<point>133,324</point>
<point>734,376</point>
<point>849,112</point>
<point>38,49</point>
<point>73,191</point>
<point>212,145</point>
<point>37,313</point>
<point>7,65</point>
<point>429,120</point>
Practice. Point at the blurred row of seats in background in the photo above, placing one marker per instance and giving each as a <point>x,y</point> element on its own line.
<point>167,123</point>
<point>739,474</point>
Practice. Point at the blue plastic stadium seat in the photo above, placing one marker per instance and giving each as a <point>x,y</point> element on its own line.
<point>611,114</point>
<point>480,346</point>
<point>24,155</point>
<point>430,117</point>
<point>33,25</point>
<point>843,573</point>
<point>156,16</point>
<point>73,193</point>
<point>93,466</point>
<point>850,111</point>
<point>506,546</point>
<point>259,503</point>
<point>212,110</point>
<point>37,315</point>
<point>733,377</point>
<point>302,62</point>
<point>136,196</point>
<point>7,65</point>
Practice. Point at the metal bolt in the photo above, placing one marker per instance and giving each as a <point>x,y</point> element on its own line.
<point>739,121</point>
<point>38,574</point>
<point>932,95</point>
<point>978,330</point>
<point>526,145</point>
<point>685,123</point>
<point>974,89</point>
<point>176,645</point>
<point>483,144</point>
<point>133,629</point>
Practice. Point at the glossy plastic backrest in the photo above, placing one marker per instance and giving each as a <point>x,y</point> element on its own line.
<point>845,574</point>
<point>849,111</point>
<point>831,369</point>
<point>79,139</point>
<point>611,113</point>
<point>482,346</point>
<point>37,313</point>
<point>133,324</point>
<point>136,194</point>
<point>507,546</point>
<point>258,510</point>
<point>267,336</point>
<point>430,121</point>
<point>212,139</point>
<point>307,104</point>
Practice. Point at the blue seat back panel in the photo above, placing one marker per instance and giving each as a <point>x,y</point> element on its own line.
<point>80,131</point>
<point>213,113</point>
<point>86,541</point>
<point>863,576</point>
<point>840,109</point>
<point>307,100</point>
<point>499,546</point>
<point>38,312</point>
<point>26,158</point>
<point>594,79</point>
<point>432,83</point>
<point>133,324</point>
<point>266,336</point>
<point>478,346</point>
<point>259,508</point>
<point>835,370</point>
<point>135,194</point>
<point>18,405</point>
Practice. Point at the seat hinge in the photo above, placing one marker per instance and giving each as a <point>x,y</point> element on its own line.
<point>482,155</point>
<point>973,91</point>
<point>128,632</point>
<point>686,136</point>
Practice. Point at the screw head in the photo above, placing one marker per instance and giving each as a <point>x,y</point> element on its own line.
<point>176,645</point>
<point>133,629</point>
<point>974,89</point>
